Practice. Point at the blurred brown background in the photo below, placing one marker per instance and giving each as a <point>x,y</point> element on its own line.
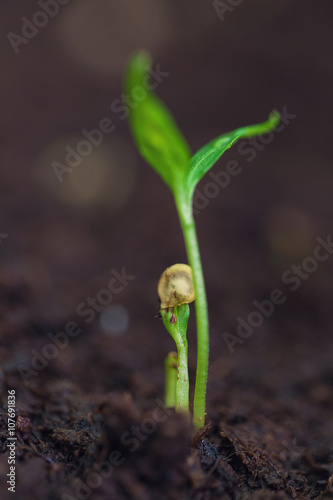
<point>225,70</point>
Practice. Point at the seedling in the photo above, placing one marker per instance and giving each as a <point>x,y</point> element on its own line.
<point>176,292</point>
<point>163,146</point>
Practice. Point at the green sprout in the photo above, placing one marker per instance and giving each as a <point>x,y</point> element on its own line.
<point>170,364</point>
<point>177,330</point>
<point>163,146</point>
<point>175,290</point>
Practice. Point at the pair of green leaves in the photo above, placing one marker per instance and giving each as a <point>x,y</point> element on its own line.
<point>160,141</point>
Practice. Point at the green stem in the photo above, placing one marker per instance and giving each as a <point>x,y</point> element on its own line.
<point>201,309</point>
<point>170,380</point>
<point>177,330</point>
<point>182,386</point>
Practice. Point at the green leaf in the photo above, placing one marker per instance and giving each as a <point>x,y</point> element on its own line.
<point>156,134</point>
<point>208,155</point>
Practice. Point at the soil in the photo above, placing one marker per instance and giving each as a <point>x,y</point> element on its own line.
<point>269,432</point>
<point>90,420</point>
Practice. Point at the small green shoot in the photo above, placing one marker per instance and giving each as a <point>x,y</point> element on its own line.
<point>176,291</point>
<point>163,146</point>
<point>170,365</point>
<point>175,321</point>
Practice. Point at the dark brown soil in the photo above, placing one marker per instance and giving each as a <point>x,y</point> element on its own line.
<point>269,433</point>
<point>90,422</point>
